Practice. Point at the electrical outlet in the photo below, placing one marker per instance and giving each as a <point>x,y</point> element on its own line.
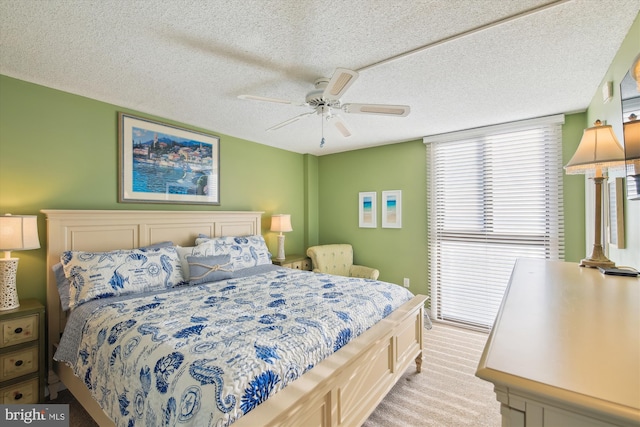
<point>406,282</point>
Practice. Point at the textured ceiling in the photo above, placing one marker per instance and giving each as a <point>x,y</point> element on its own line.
<point>486,61</point>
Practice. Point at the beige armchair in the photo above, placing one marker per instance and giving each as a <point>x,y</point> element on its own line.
<point>338,259</point>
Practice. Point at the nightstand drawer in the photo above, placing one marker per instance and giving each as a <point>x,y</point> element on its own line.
<point>297,262</point>
<point>22,393</point>
<point>19,330</point>
<point>301,265</point>
<point>18,363</point>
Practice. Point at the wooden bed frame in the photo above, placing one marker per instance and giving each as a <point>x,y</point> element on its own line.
<point>344,389</point>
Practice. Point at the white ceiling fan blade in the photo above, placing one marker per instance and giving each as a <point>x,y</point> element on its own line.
<point>341,125</point>
<point>291,120</point>
<point>266,99</point>
<point>382,109</point>
<point>341,80</point>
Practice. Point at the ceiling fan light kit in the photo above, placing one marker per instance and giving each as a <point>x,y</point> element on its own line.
<point>326,97</point>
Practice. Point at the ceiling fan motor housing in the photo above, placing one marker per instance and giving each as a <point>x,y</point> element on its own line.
<point>315,98</point>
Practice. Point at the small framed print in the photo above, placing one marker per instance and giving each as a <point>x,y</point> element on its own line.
<point>367,209</point>
<point>392,209</point>
<point>160,163</point>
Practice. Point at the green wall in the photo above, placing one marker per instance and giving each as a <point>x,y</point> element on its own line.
<point>397,253</point>
<point>60,151</point>
<point>573,190</point>
<point>400,253</point>
<point>311,236</point>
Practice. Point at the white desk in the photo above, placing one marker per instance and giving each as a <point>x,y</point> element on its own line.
<point>565,347</point>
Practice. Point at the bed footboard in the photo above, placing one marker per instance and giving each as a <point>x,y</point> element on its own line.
<point>345,388</point>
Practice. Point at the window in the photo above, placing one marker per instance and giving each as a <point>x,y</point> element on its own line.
<point>494,195</point>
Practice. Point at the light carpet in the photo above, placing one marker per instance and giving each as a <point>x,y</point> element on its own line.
<point>445,394</point>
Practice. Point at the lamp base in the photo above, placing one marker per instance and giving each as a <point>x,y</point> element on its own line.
<point>280,255</point>
<point>8,291</point>
<point>597,259</point>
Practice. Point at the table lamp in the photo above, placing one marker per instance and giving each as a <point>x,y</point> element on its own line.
<point>599,149</point>
<point>17,233</point>
<point>281,223</point>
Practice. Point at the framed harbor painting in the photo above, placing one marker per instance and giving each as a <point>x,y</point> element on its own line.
<point>367,209</point>
<point>392,209</point>
<point>160,163</point>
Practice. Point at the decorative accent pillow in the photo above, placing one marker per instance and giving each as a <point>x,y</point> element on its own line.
<point>203,269</point>
<point>96,275</point>
<point>245,251</point>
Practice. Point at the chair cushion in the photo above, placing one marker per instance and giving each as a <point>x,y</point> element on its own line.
<point>332,259</point>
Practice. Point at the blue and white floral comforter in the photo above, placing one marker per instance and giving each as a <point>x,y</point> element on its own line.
<point>205,355</point>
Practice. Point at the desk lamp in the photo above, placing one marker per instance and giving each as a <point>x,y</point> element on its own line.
<point>599,149</point>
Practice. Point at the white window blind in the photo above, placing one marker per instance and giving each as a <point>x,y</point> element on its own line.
<point>494,195</point>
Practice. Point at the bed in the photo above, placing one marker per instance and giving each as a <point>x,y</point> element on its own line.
<point>342,389</point>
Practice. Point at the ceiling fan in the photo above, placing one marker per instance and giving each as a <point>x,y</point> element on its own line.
<point>325,100</point>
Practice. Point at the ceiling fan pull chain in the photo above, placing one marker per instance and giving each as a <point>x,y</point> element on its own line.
<point>322,127</point>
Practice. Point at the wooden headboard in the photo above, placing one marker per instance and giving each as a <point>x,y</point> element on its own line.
<point>104,230</point>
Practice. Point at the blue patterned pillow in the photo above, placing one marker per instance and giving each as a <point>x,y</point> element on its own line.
<point>245,251</point>
<point>64,287</point>
<point>96,275</point>
<point>203,269</point>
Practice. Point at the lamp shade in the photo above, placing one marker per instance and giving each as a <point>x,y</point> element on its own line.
<point>599,148</point>
<point>281,223</point>
<point>18,232</point>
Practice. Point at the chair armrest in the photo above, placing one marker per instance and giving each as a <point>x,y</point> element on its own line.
<point>364,272</point>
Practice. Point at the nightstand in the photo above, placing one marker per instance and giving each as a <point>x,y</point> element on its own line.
<point>22,364</point>
<point>297,262</point>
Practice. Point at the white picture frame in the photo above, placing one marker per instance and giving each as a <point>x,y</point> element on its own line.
<point>392,209</point>
<point>367,209</point>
